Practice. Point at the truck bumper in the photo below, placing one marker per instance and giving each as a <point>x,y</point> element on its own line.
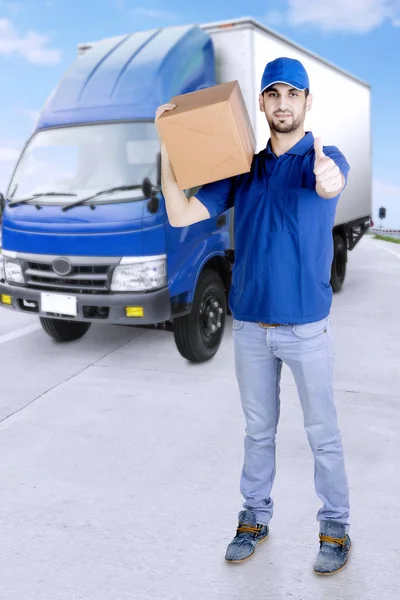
<point>108,308</point>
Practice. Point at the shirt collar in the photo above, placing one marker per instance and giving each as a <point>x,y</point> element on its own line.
<point>300,149</point>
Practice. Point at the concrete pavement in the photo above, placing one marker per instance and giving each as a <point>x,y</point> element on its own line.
<point>121,462</point>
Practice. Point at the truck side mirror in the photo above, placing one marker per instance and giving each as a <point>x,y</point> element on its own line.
<point>159,169</point>
<point>2,203</point>
<point>147,188</point>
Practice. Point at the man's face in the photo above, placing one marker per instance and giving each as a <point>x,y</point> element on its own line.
<point>285,107</point>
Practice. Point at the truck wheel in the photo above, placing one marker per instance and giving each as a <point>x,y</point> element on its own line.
<point>64,331</point>
<point>339,263</point>
<point>198,335</point>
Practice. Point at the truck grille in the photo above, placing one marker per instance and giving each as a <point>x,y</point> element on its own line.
<point>82,278</point>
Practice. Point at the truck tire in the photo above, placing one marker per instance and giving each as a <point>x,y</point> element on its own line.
<point>339,263</point>
<point>198,335</point>
<point>64,331</point>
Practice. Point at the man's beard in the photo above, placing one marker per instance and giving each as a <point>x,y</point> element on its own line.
<point>282,127</point>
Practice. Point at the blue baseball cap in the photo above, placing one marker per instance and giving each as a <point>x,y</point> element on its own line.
<point>285,70</point>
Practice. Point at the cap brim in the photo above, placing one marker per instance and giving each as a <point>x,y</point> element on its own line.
<point>301,89</point>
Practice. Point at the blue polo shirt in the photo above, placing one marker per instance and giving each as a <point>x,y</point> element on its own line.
<point>283,235</point>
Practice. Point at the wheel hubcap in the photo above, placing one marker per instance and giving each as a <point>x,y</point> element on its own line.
<point>211,316</point>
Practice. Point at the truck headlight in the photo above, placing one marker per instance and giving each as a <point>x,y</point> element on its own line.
<point>13,271</point>
<point>140,275</point>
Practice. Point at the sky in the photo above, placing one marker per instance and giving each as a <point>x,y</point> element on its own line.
<point>38,41</point>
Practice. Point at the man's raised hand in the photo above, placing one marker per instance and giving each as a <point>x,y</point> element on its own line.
<point>164,108</point>
<point>328,177</point>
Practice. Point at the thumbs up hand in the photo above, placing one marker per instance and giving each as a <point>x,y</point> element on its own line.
<point>328,177</point>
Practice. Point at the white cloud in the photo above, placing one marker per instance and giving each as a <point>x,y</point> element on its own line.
<point>8,154</point>
<point>33,47</point>
<point>358,16</point>
<point>33,115</point>
<point>385,189</point>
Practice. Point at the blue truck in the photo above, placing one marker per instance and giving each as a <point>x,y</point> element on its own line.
<point>85,233</point>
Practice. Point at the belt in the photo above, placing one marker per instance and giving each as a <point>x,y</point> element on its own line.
<point>269,325</point>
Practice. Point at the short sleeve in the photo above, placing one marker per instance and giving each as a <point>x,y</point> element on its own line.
<point>217,196</point>
<point>337,157</point>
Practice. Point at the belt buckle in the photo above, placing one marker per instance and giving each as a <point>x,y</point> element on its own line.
<point>267,325</point>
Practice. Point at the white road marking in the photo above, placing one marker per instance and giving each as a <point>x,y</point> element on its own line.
<point>8,337</point>
<point>383,246</point>
<point>397,254</point>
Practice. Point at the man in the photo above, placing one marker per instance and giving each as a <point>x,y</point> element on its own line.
<point>280,300</point>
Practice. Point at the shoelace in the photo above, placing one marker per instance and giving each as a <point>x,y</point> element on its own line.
<point>246,528</point>
<point>330,540</point>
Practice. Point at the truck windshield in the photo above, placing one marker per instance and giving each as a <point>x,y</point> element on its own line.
<point>82,160</point>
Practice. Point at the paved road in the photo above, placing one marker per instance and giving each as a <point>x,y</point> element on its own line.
<point>120,462</point>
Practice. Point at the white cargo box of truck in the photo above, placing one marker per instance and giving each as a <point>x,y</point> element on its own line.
<point>244,46</point>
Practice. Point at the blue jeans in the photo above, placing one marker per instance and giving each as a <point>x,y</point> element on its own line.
<point>308,352</point>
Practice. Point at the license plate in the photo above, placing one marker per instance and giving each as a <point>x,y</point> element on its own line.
<point>59,304</point>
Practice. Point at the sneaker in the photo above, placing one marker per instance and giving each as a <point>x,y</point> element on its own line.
<point>249,534</point>
<point>334,550</point>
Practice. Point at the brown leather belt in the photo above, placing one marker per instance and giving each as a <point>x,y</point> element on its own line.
<point>269,325</point>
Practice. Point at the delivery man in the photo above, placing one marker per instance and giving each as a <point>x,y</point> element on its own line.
<point>280,301</point>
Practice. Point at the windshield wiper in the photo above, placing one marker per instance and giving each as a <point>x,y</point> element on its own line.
<point>121,188</point>
<point>34,196</point>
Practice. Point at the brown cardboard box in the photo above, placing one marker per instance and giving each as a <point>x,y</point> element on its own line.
<point>208,136</point>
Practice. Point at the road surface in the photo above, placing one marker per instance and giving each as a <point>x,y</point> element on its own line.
<point>121,462</point>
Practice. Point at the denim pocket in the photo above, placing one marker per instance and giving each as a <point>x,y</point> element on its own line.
<point>237,325</point>
<point>311,330</point>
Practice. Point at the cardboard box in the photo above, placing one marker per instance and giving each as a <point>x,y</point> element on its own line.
<point>208,136</point>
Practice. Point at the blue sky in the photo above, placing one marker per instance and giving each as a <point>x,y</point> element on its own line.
<point>38,40</point>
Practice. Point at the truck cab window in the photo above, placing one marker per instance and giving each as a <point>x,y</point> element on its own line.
<point>87,159</point>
